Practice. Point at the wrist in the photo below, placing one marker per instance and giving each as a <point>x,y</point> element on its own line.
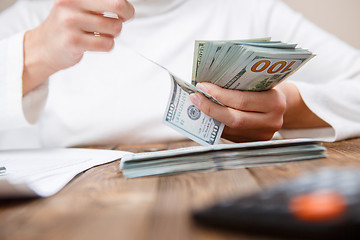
<point>294,105</point>
<point>36,70</point>
<point>297,113</point>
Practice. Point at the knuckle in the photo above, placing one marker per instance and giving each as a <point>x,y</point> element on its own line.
<point>61,3</point>
<point>205,108</point>
<point>106,44</point>
<point>281,106</point>
<point>241,103</point>
<point>212,91</point>
<point>117,26</point>
<point>72,40</point>
<point>98,22</point>
<point>109,46</point>
<point>76,53</point>
<point>69,20</point>
<point>279,101</point>
<point>277,125</point>
<point>265,136</point>
<point>119,4</point>
<point>274,125</point>
<point>236,122</point>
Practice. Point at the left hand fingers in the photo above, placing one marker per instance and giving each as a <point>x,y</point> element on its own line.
<point>122,8</point>
<point>98,23</point>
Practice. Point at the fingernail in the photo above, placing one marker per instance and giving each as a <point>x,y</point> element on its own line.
<point>195,99</point>
<point>202,87</point>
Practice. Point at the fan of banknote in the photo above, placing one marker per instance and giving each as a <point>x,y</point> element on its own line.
<point>250,65</point>
<point>253,65</point>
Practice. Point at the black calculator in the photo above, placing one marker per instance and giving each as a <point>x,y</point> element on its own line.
<point>324,204</point>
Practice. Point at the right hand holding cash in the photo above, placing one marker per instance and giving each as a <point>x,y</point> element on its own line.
<point>252,65</point>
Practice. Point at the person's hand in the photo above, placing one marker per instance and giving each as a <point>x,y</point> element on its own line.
<point>72,27</point>
<point>248,116</point>
<point>254,116</point>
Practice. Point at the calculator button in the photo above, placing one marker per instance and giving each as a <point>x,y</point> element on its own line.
<point>318,206</point>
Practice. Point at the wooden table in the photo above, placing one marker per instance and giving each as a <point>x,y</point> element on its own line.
<point>102,204</point>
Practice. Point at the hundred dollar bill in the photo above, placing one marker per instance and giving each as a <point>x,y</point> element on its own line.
<point>198,53</point>
<point>200,47</point>
<point>263,70</point>
<point>184,117</point>
<point>253,65</point>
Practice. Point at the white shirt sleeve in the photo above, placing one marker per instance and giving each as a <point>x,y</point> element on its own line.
<point>330,83</point>
<point>18,111</point>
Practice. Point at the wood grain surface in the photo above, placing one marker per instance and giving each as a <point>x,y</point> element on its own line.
<point>101,204</point>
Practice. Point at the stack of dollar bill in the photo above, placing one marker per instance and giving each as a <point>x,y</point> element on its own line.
<point>250,65</point>
<point>218,157</point>
<point>253,65</point>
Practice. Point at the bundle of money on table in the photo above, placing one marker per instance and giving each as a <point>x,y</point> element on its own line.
<point>218,157</point>
<point>250,65</point>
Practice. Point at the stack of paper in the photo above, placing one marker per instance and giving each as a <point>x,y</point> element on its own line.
<point>43,172</point>
<point>218,157</point>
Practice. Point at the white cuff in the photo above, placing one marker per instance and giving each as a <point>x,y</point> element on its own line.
<point>323,134</point>
<point>16,111</point>
<point>34,102</point>
<point>335,103</point>
<point>11,69</point>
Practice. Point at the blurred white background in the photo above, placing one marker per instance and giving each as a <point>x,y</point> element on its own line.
<point>340,17</point>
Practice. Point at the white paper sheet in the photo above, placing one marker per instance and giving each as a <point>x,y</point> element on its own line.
<point>44,172</point>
